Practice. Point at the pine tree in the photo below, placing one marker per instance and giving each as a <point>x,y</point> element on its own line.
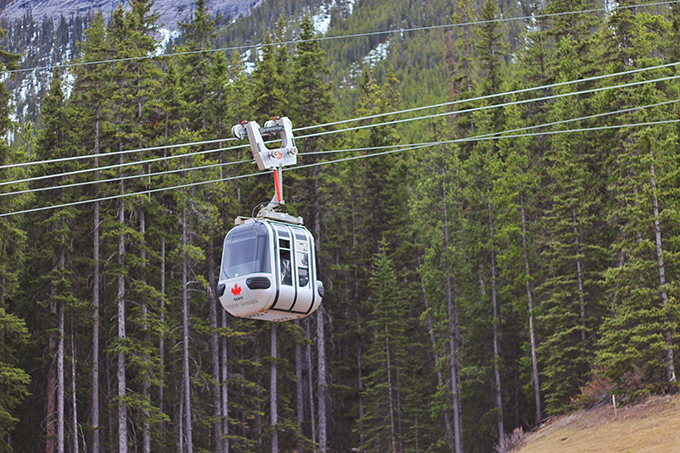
<point>130,36</point>
<point>569,308</point>
<point>638,284</point>
<point>385,361</point>
<point>310,98</point>
<point>52,236</point>
<point>268,91</point>
<point>90,93</point>
<point>515,188</point>
<point>196,66</point>
<point>14,381</point>
<point>441,273</point>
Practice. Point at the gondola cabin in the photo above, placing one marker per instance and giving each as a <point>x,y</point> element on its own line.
<point>268,270</point>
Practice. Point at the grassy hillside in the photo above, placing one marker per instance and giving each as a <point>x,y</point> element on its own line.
<point>650,426</point>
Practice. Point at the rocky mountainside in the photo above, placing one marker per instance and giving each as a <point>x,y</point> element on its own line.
<point>171,11</point>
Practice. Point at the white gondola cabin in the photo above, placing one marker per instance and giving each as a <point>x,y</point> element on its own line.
<point>268,267</point>
<point>269,270</point>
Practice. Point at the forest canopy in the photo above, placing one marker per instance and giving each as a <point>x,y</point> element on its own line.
<point>492,187</point>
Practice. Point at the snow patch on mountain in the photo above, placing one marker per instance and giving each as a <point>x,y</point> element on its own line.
<point>376,55</point>
<point>166,36</point>
<point>322,20</point>
<point>248,62</point>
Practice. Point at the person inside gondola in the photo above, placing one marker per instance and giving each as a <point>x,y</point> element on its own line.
<point>286,274</point>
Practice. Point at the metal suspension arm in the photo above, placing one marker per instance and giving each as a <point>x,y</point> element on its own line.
<point>269,159</point>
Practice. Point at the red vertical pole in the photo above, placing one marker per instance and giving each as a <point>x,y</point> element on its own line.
<point>278,183</point>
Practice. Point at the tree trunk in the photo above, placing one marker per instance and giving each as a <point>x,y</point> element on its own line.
<point>357,301</point>
<point>180,425</point>
<point>74,399</point>
<point>120,301</point>
<point>532,333</point>
<point>185,329</point>
<point>362,439</point>
<point>51,407</point>
<point>494,303</point>
<point>214,348</point>
<point>670,366</point>
<point>440,378</point>
<point>272,390</point>
<point>161,342</point>
<point>453,332</point>
<point>225,387</point>
<point>579,272</point>
<point>111,408</point>
<point>300,389</point>
<point>393,442</point>
<point>146,385</point>
<point>95,302</point>
<point>321,347</point>
<point>260,409</point>
<point>308,336</point>
<point>60,365</point>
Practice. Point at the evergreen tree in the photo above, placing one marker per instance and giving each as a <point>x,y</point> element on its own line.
<point>569,307</point>
<point>268,91</point>
<point>91,91</point>
<point>14,381</point>
<point>136,85</point>
<point>638,285</point>
<point>440,226</point>
<point>53,237</point>
<point>385,361</point>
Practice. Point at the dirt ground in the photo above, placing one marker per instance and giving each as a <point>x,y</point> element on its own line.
<point>650,426</point>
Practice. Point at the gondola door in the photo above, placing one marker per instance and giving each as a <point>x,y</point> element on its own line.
<point>295,274</point>
<point>305,269</point>
<point>285,267</point>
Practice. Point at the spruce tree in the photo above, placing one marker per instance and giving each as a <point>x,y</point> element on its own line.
<point>385,361</point>
<point>268,91</point>
<point>14,381</point>
<point>638,284</point>
<point>53,236</point>
<point>572,256</point>
<point>91,90</point>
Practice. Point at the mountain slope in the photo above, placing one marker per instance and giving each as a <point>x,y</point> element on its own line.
<point>171,11</point>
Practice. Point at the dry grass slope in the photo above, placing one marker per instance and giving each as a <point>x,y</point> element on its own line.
<point>650,426</point>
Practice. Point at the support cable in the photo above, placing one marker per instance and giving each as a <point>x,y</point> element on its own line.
<point>407,148</point>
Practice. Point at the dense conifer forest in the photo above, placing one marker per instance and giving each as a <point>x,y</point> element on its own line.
<point>493,189</point>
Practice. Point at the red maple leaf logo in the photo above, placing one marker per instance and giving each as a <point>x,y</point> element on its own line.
<point>236,290</point>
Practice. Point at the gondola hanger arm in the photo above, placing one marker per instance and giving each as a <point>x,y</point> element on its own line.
<point>271,159</point>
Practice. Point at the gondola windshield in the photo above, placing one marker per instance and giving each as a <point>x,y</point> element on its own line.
<point>246,251</point>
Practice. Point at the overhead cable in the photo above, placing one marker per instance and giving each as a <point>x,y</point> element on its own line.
<point>398,112</point>
<point>117,153</point>
<point>125,178</point>
<point>426,145</point>
<point>492,96</point>
<point>493,106</point>
<point>470,110</point>
<point>110,167</point>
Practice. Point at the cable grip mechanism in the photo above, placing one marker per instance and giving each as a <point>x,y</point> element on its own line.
<point>269,159</point>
